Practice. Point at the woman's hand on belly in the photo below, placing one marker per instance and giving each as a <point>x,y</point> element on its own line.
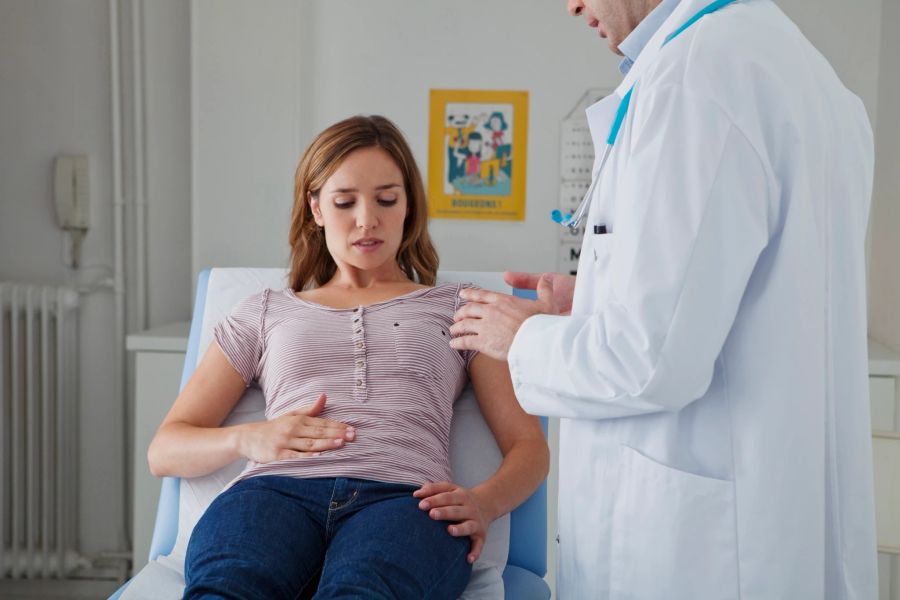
<point>296,434</point>
<point>447,501</point>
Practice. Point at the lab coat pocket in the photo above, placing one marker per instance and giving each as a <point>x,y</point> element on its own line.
<point>673,534</point>
<point>599,250</point>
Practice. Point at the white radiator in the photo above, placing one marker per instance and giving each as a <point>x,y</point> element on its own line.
<point>38,430</point>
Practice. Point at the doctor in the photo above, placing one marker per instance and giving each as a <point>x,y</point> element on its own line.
<point>711,376</point>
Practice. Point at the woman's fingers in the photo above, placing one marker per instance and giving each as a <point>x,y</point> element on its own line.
<point>476,548</point>
<point>292,454</point>
<point>315,445</point>
<point>430,489</point>
<point>327,430</point>
<point>453,513</point>
<point>312,409</point>
<point>442,499</point>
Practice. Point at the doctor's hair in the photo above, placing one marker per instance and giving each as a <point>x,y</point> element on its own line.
<point>311,263</point>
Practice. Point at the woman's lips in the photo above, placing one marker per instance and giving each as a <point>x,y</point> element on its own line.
<point>368,244</point>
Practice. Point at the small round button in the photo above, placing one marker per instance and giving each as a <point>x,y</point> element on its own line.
<point>359,344</point>
<point>359,383</point>
<point>360,364</point>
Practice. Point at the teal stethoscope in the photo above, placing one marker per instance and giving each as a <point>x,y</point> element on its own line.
<point>573,221</point>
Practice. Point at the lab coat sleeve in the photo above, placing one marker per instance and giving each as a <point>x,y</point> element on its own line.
<point>694,213</point>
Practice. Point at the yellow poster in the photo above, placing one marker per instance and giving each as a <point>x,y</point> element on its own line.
<point>477,152</point>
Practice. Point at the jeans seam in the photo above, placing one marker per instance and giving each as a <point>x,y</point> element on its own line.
<point>328,514</point>
<point>444,575</point>
<point>334,506</point>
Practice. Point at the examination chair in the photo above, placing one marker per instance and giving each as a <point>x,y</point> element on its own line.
<point>514,559</point>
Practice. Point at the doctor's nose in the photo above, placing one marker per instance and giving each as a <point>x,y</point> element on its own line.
<point>575,7</point>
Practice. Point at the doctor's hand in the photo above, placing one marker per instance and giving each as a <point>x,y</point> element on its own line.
<point>296,434</point>
<point>563,286</point>
<point>446,501</point>
<point>490,320</point>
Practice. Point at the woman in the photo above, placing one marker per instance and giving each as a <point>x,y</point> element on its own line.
<point>359,501</point>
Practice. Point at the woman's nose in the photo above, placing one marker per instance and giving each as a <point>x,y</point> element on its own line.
<point>365,216</point>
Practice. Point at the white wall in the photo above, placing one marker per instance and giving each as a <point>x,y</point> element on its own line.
<point>382,57</point>
<point>884,281</point>
<point>849,35</point>
<point>264,89</point>
<point>55,98</point>
<point>247,122</point>
<point>166,104</point>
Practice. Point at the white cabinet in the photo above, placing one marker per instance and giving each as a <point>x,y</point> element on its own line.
<point>884,371</point>
<point>158,361</point>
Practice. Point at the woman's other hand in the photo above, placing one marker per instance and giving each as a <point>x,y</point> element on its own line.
<point>447,501</point>
<point>296,434</point>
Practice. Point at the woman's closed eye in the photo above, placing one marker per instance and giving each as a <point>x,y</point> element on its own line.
<point>386,201</point>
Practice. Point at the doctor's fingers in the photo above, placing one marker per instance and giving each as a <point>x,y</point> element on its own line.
<point>465,328</point>
<point>483,296</point>
<point>467,342</point>
<point>472,310</point>
<point>523,281</point>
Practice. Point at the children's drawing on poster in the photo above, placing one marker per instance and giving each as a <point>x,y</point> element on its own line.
<point>479,149</point>
<point>477,154</point>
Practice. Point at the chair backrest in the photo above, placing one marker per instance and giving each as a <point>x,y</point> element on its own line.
<point>528,523</point>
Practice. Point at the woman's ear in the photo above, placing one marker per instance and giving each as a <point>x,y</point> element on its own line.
<point>316,210</point>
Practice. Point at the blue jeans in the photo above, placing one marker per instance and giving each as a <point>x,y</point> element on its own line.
<point>273,537</point>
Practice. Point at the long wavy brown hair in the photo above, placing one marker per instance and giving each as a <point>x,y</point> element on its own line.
<point>311,263</point>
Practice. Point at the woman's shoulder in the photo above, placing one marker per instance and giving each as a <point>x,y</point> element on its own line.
<point>265,300</point>
<point>446,294</point>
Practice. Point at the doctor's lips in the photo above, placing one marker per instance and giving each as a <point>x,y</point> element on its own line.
<point>595,24</point>
<point>368,244</point>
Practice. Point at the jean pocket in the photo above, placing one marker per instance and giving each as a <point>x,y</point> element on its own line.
<point>673,534</point>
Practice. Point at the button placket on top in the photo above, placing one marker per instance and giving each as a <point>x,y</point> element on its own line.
<point>360,361</point>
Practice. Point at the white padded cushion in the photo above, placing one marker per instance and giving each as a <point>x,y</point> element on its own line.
<point>474,455</point>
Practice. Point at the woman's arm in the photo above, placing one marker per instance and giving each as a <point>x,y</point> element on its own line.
<point>526,460</point>
<point>191,443</point>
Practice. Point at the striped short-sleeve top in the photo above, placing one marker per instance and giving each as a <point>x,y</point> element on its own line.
<point>387,368</point>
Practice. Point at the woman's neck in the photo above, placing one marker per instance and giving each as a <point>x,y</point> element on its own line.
<point>349,278</point>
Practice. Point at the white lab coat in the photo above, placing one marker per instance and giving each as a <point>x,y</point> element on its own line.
<point>712,381</point>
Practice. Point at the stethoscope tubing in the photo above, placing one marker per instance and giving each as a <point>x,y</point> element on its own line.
<point>574,221</point>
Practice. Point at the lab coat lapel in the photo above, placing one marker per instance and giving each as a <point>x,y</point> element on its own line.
<point>684,11</point>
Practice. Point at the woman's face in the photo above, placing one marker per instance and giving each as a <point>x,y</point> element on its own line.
<point>362,207</point>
